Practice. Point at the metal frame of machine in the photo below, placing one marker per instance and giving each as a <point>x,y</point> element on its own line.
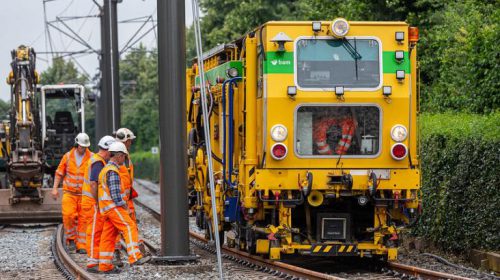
<point>23,144</point>
<point>277,201</point>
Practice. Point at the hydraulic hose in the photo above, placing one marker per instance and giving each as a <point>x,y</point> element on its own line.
<point>231,82</point>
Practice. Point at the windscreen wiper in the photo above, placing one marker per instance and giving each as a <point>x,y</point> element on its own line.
<point>353,51</point>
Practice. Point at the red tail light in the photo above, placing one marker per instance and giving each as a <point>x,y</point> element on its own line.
<point>399,151</point>
<point>279,151</point>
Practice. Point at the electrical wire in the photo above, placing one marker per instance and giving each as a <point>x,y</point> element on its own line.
<point>206,127</point>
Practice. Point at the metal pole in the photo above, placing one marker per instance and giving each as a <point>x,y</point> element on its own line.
<point>101,104</point>
<point>206,128</point>
<point>114,64</point>
<point>172,107</point>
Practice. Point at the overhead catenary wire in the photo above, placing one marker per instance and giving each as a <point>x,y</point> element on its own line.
<point>206,128</point>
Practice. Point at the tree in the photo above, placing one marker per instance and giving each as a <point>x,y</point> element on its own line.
<point>460,59</point>
<point>62,71</point>
<point>4,110</point>
<point>140,101</point>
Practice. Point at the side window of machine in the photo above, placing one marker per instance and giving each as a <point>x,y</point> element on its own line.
<point>332,130</point>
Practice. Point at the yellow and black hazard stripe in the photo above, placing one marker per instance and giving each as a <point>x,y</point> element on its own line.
<point>334,250</point>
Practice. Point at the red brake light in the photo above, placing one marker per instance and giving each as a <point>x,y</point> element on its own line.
<point>279,151</point>
<point>399,151</point>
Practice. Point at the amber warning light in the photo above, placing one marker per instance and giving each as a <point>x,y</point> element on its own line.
<point>413,35</point>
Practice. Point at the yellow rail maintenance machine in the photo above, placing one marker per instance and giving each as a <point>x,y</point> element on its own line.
<point>315,139</point>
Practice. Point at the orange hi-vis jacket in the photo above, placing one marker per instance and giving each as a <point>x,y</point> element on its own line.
<point>87,195</point>
<point>106,202</point>
<point>127,179</point>
<point>320,129</point>
<point>72,173</point>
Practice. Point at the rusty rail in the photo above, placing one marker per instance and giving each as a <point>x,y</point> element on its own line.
<point>306,273</point>
<point>75,269</point>
<point>422,272</point>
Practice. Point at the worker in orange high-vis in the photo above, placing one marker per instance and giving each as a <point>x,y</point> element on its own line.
<point>126,136</point>
<point>70,172</point>
<point>91,216</point>
<point>115,212</point>
<point>340,124</point>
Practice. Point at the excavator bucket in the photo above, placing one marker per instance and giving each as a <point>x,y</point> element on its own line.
<point>26,210</point>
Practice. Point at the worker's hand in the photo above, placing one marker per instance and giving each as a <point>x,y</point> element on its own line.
<point>54,193</point>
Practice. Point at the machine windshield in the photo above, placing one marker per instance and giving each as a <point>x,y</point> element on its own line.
<point>324,130</point>
<point>326,63</point>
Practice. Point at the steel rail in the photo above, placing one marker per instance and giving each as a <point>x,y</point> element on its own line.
<point>257,260</point>
<point>75,269</point>
<point>422,272</point>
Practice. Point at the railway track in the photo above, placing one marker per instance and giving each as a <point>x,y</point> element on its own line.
<point>393,270</point>
<point>68,267</point>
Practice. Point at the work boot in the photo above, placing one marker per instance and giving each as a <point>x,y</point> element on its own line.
<point>115,270</point>
<point>81,251</point>
<point>93,269</point>
<point>117,258</point>
<point>142,261</point>
<point>71,245</point>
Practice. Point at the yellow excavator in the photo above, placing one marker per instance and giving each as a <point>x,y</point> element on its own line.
<point>23,197</point>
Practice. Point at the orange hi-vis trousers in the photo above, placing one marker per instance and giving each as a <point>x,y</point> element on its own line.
<point>117,220</point>
<point>94,230</point>
<point>71,212</point>
<point>132,214</point>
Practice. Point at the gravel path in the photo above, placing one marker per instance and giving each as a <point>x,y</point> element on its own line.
<point>25,253</point>
<point>205,268</point>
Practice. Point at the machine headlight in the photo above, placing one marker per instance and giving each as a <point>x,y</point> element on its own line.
<point>340,27</point>
<point>279,133</point>
<point>232,72</point>
<point>399,133</point>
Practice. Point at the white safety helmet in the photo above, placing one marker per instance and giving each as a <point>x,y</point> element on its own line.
<point>123,134</point>
<point>82,139</point>
<point>105,142</point>
<point>117,147</point>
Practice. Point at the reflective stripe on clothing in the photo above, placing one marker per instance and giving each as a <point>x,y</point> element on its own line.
<point>118,221</point>
<point>115,189</point>
<point>94,230</point>
<point>71,172</point>
<point>86,188</point>
<point>73,215</point>
<point>321,127</point>
<point>106,202</point>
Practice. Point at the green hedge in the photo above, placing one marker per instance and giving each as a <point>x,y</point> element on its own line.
<point>146,166</point>
<point>461,181</point>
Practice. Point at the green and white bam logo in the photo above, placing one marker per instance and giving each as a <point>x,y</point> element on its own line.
<point>279,63</point>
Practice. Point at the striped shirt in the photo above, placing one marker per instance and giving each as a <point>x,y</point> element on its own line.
<point>114,183</point>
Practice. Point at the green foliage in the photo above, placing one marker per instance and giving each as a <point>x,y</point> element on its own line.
<point>140,100</point>
<point>4,110</point>
<point>458,50</point>
<point>62,71</point>
<point>461,175</point>
<point>460,59</point>
<point>455,125</point>
<point>146,166</point>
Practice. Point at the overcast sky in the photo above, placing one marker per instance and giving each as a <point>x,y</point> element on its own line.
<point>23,22</point>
